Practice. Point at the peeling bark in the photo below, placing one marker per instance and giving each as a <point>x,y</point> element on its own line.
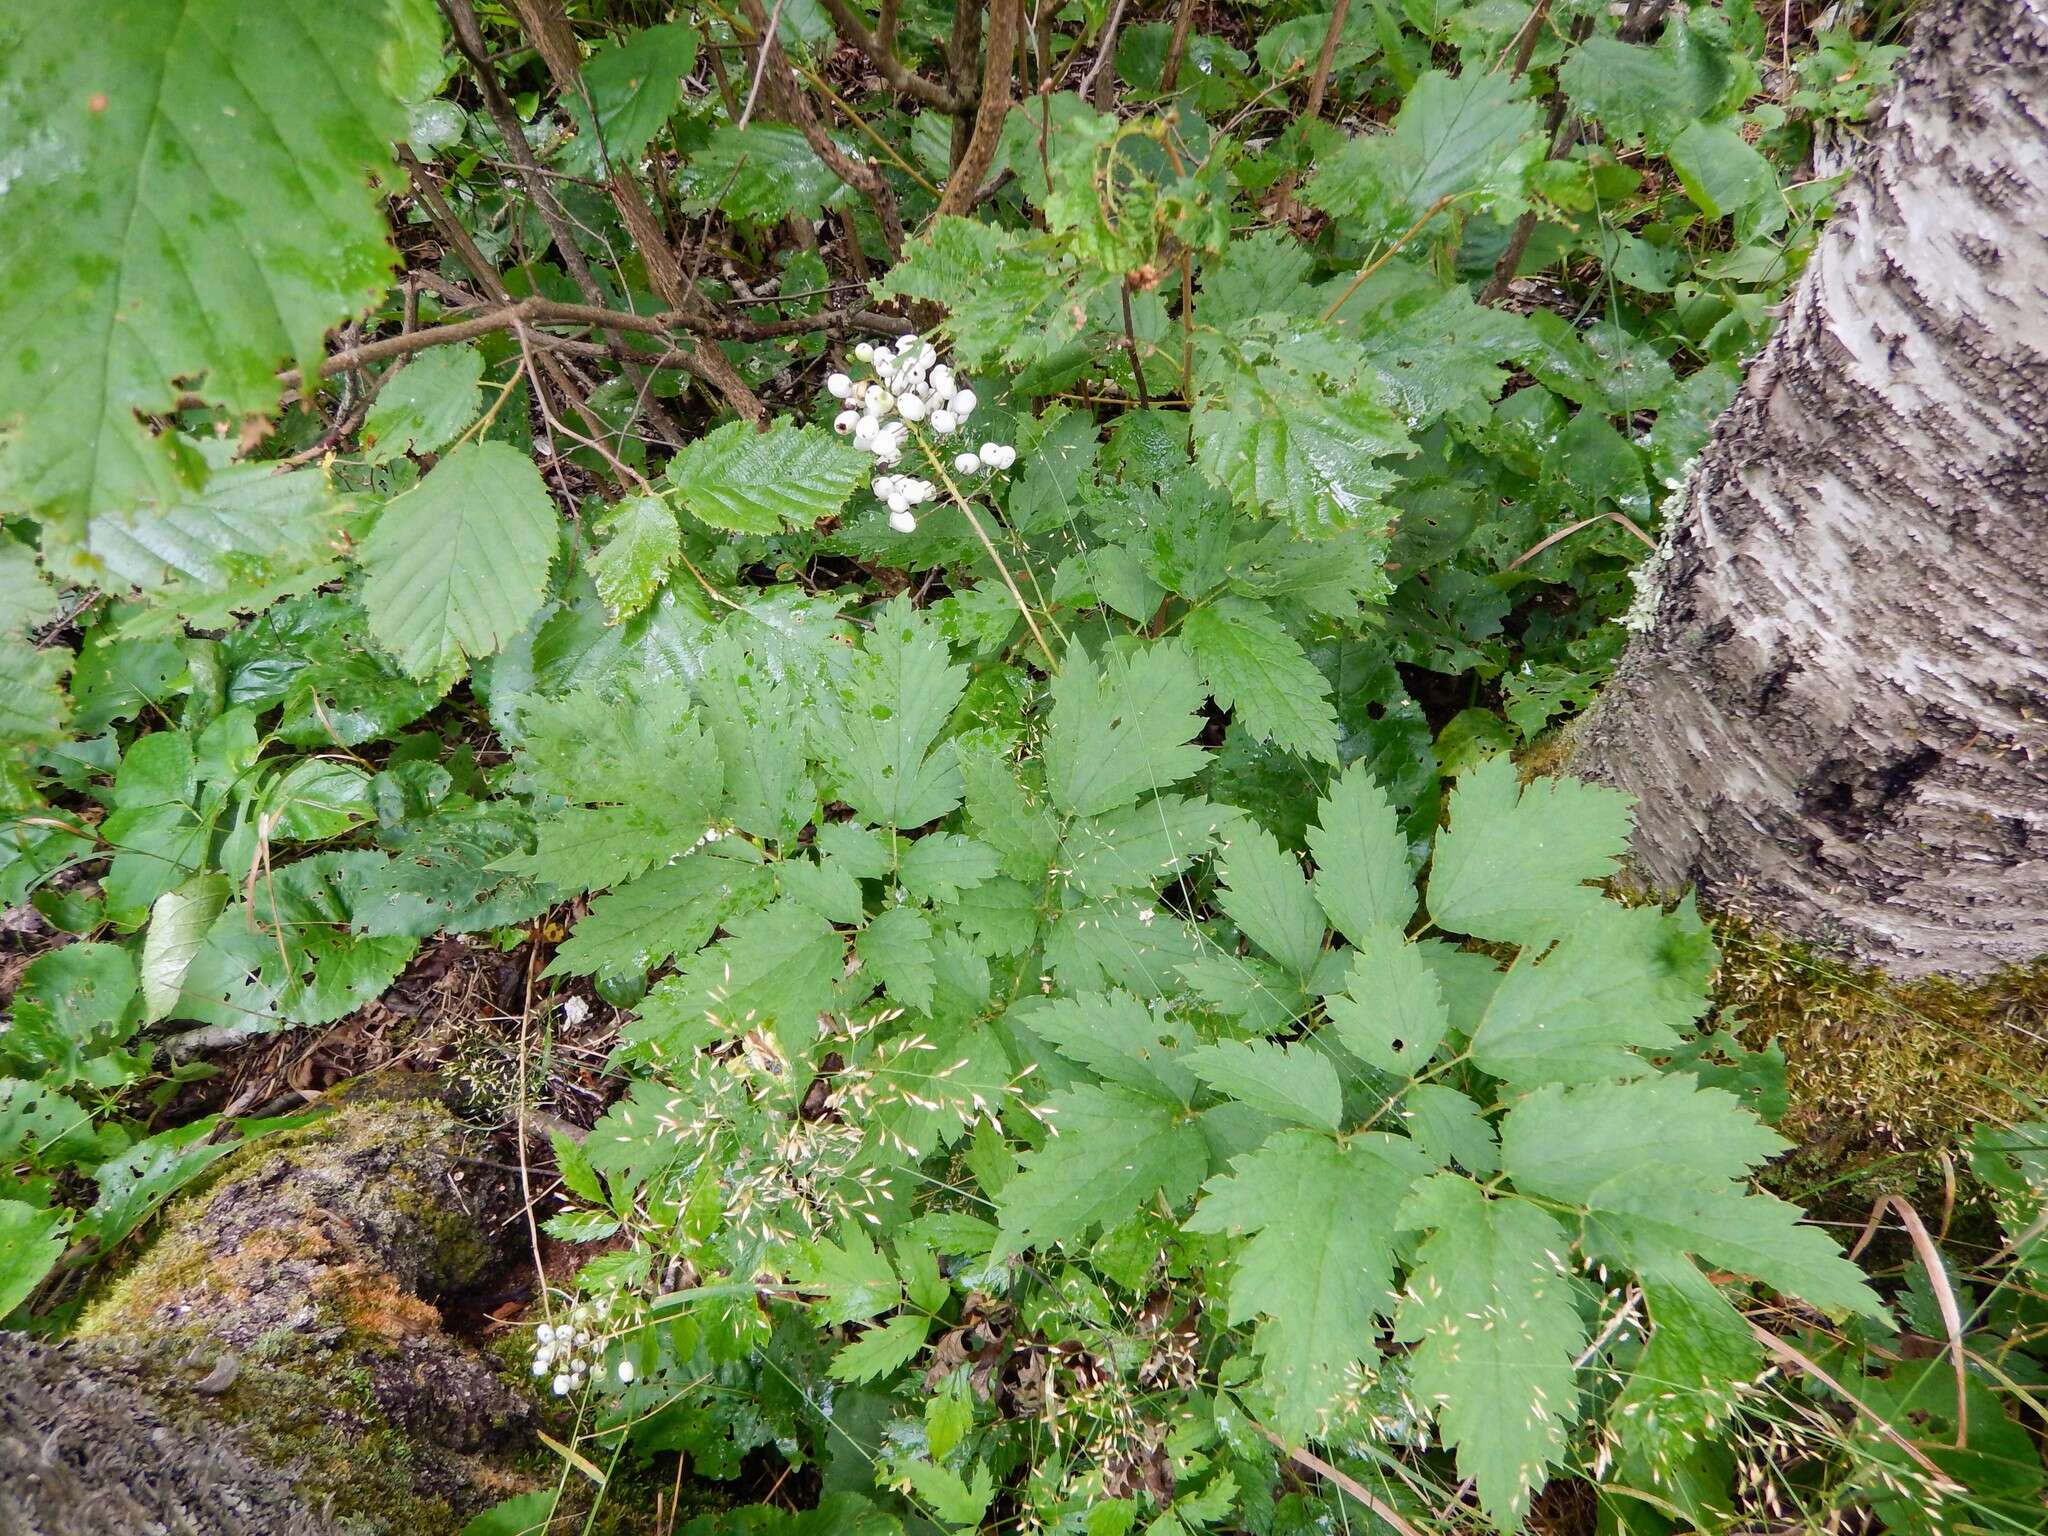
<point>1838,717</point>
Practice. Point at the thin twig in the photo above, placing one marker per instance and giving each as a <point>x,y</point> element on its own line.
<point>1131,342</point>
<point>1103,53</point>
<point>1006,17</point>
<point>1177,49</point>
<point>937,462</point>
<point>1585,522</point>
<point>760,66</point>
<point>1388,254</point>
<point>1304,1457</point>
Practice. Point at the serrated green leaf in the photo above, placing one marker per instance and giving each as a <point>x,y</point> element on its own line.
<point>247,535</point>
<point>1317,1267</point>
<point>743,481</point>
<point>950,1497</point>
<point>641,544</point>
<point>1489,1311</point>
<point>1471,137</point>
<point>457,564</point>
<point>668,911</point>
<point>761,174</point>
<point>1297,1083</point>
<point>635,86</point>
<point>1260,672</point>
<point>1122,727</point>
<point>1117,1037</point>
<point>1450,1128</point>
<point>1391,1013</point>
<point>776,971</point>
<point>424,405</point>
<point>1265,893</point>
<point>178,923</point>
<point>27,600</point>
<point>1362,880</point>
<point>898,945</point>
<point>1112,1152</point>
<point>755,713</point>
<point>1137,847</point>
<point>1287,446</point>
<point>232,215</point>
<point>879,1351</point>
<point>1514,863</point>
<point>31,1242</point>
<point>882,743</point>
<point>1623,980</point>
<point>851,1279</point>
<point>938,867</point>
<point>1660,1165</point>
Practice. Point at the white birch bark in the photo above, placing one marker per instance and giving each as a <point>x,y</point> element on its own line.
<point>1839,717</point>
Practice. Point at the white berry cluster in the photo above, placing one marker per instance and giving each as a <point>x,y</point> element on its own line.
<point>911,389</point>
<point>573,1350</point>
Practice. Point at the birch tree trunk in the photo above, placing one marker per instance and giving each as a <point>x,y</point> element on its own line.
<point>1838,716</point>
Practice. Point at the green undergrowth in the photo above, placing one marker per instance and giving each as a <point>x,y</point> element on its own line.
<point>997,642</point>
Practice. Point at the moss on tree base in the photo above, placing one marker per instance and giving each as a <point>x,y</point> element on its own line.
<point>1882,1075</point>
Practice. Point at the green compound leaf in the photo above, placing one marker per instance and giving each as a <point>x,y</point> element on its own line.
<point>1112,1152</point>
<point>1121,727</point>
<point>1660,1167</point>
<point>1623,980</point>
<point>457,565</point>
<point>1318,1266</point>
<point>1514,863</point>
<point>884,740</point>
<point>743,481</point>
<point>1259,671</point>
<point>1391,1013</point>
<point>1489,1311</point>
<point>194,203</point>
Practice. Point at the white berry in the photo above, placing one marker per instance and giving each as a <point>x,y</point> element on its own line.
<point>904,521</point>
<point>966,463</point>
<point>910,408</point>
<point>838,386</point>
<point>964,403</point>
<point>944,421</point>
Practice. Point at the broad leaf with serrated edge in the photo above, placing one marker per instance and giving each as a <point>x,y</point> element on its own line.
<point>884,742</point>
<point>1290,1082</point>
<point>1623,980</point>
<point>641,543</point>
<point>1391,1013</point>
<point>1514,863</point>
<point>1318,1264</point>
<point>422,407</point>
<point>1264,892</point>
<point>1362,876</point>
<point>1489,1311</point>
<point>192,201</point>
<point>745,481</point>
<point>1259,672</point>
<point>1122,727</point>
<point>1660,1166</point>
<point>1112,1151</point>
<point>457,565</point>
<point>1117,1037</point>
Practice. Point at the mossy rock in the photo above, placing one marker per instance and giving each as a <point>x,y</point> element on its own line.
<point>289,1302</point>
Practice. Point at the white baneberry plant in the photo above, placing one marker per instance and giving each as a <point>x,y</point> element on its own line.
<point>571,1354</point>
<point>911,397</point>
